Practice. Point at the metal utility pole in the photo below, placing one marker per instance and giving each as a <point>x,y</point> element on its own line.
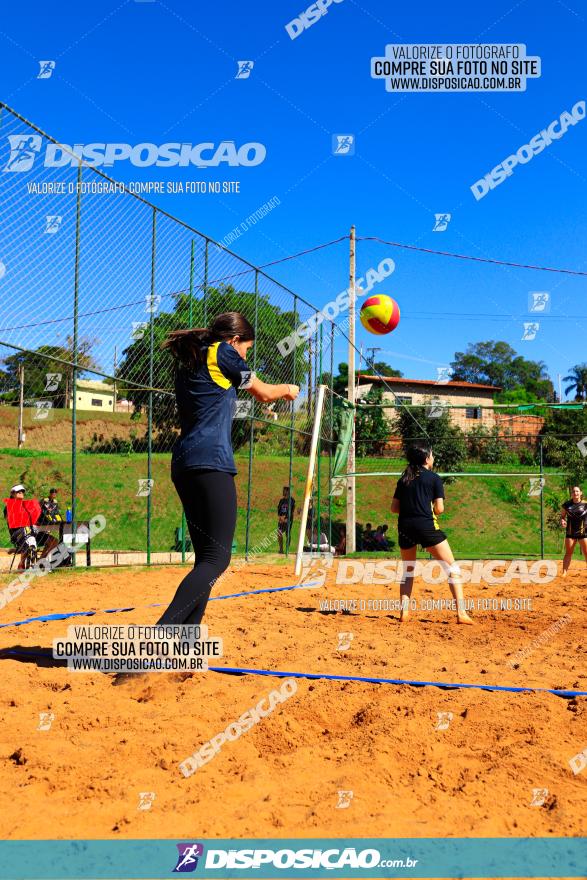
<point>372,349</point>
<point>20,405</point>
<point>350,487</point>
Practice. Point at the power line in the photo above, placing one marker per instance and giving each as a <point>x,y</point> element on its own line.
<point>413,247</point>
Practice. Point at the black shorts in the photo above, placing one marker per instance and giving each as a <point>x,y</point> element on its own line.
<point>410,534</point>
<point>19,535</point>
<point>576,534</point>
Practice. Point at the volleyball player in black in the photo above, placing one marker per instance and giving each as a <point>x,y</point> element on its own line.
<point>418,498</point>
<point>574,519</point>
<point>210,365</point>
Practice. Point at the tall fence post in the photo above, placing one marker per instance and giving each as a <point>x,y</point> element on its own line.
<point>75,345</point>
<point>331,434</point>
<point>252,421</point>
<point>319,451</point>
<point>20,439</point>
<point>541,500</point>
<point>151,380</point>
<point>205,297</point>
<point>291,431</point>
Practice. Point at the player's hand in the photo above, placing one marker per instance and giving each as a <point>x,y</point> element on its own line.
<point>563,523</point>
<point>292,392</point>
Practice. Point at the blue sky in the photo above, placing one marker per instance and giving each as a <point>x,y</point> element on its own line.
<point>155,72</point>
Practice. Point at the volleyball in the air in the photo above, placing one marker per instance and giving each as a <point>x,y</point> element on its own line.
<point>380,314</point>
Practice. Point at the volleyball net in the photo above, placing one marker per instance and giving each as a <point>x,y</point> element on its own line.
<point>504,489</point>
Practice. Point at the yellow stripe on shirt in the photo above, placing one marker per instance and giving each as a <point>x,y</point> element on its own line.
<point>216,373</point>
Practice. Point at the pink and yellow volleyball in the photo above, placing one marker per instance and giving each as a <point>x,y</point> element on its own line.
<point>380,314</point>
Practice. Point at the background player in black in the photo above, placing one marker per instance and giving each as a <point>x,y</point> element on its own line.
<point>418,499</point>
<point>574,519</point>
<point>285,514</point>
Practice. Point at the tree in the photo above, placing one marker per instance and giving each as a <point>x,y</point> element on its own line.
<point>564,453</point>
<point>372,428</point>
<point>568,420</point>
<point>519,395</point>
<point>341,380</point>
<point>382,369</point>
<point>47,359</point>
<point>577,380</point>
<point>497,363</point>
<point>273,325</point>
<point>446,439</point>
<point>6,386</point>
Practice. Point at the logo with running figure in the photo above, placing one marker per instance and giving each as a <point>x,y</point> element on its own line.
<point>244,69</point>
<point>187,860</point>
<point>24,149</point>
<point>343,145</point>
<point>46,69</point>
<point>441,222</point>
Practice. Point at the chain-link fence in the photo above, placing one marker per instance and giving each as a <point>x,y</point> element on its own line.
<point>93,278</point>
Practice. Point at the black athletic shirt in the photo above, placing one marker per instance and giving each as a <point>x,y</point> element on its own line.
<point>286,507</point>
<point>576,517</point>
<point>206,399</point>
<point>415,498</point>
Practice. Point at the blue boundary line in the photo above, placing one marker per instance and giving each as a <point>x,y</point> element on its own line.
<point>374,680</point>
<point>46,617</point>
<point>314,676</point>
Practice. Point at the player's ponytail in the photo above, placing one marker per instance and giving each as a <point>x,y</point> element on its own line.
<point>416,456</point>
<point>188,347</point>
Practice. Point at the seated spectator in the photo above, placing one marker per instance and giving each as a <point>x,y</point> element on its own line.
<point>50,509</point>
<point>313,544</point>
<point>368,538</point>
<point>340,548</point>
<point>380,539</point>
<point>21,517</point>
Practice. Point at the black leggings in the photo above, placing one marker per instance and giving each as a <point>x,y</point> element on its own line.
<point>209,502</point>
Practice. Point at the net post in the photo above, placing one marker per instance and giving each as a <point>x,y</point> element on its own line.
<point>252,423</point>
<point>291,433</point>
<point>310,477</point>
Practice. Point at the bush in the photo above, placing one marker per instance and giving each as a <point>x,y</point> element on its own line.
<point>527,456</point>
<point>446,439</point>
<point>113,445</point>
<point>372,428</point>
<point>489,446</point>
<point>564,454</point>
